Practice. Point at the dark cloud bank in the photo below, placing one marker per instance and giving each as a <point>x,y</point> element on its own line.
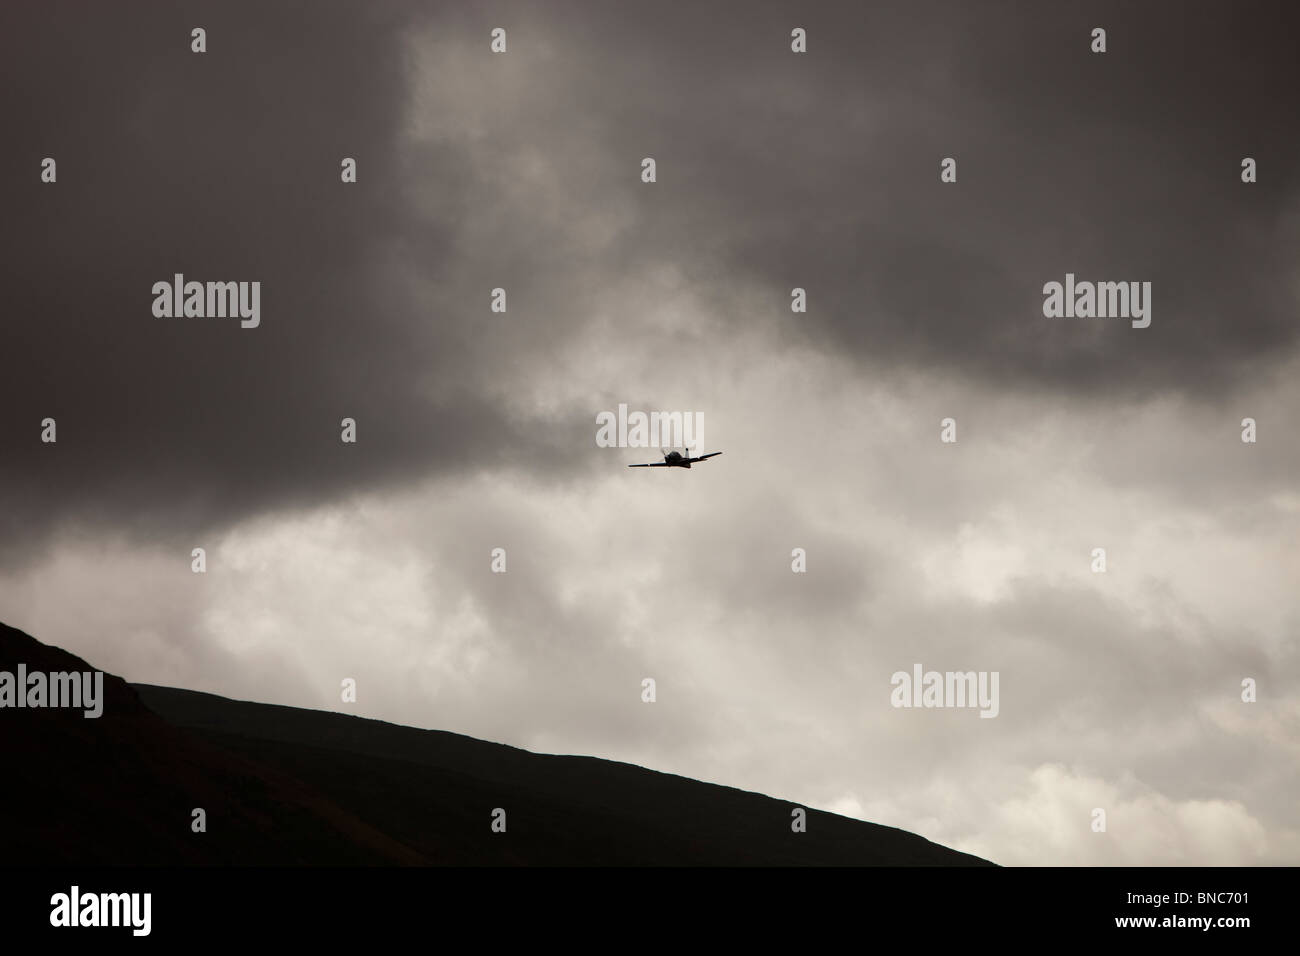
<point>775,171</point>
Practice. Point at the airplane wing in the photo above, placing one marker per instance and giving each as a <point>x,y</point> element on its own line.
<point>709,455</point>
<point>653,464</point>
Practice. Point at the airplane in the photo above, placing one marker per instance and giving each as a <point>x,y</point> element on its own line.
<point>675,459</point>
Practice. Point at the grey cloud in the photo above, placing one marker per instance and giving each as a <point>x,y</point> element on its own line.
<point>775,171</point>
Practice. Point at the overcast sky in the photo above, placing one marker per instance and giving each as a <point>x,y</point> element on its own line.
<point>476,430</point>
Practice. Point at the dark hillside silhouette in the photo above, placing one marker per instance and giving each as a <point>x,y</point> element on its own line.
<point>283,785</point>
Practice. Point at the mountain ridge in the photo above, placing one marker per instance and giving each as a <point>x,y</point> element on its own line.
<point>289,786</point>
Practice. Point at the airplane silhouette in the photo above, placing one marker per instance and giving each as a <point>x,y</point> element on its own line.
<point>675,459</point>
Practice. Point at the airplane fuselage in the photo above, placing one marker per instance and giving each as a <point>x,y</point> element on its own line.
<point>675,459</point>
